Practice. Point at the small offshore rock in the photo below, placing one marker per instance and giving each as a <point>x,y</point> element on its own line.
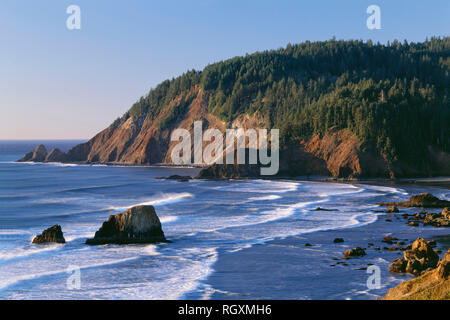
<point>354,252</point>
<point>392,209</point>
<point>51,235</point>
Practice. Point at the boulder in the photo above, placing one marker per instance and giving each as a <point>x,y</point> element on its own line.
<point>323,209</point>
<point>446,213</point>
<point>37,155</point>
<point>389,239</point>
<point>443,270</point>
<point>338,240</point>
<point>53,234</point>
<point>420,258</point>
<point>354,252</point>
<point>437,219</point>
<point>392,209</point>
<point>136,225</point>
<point>398,265</point>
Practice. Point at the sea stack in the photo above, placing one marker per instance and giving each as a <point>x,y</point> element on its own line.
<point>136,225</point>
<point>56,155</point>
<point>51,235</point>
<point>37,155</point>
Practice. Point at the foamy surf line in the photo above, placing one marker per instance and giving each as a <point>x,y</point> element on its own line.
<point>21,253</point>
<point>7,283</point>
<point>162,200</point>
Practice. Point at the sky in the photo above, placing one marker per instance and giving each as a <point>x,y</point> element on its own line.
<point>58,83</point>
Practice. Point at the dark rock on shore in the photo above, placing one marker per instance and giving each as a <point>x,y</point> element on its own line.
<point>419,259</point>
<point>424,200</point>
<point>323,209</point>
<point>437,219</point>
<point>51,235</point>
<point>443,270</point>
<point>338,240</point>
<point>136,225</point>
<point>392,209</point>
<point>429,219</point>
<point>389,240</point>
<point>37,155</point>
<point>355,252</point>
<point>432,285</point>
<point>229,171</point>
<point>176,177</point>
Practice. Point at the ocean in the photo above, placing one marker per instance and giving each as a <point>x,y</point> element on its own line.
<point>208,222</point>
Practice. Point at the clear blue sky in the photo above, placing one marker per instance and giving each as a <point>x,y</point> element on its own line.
<point>62,84</point>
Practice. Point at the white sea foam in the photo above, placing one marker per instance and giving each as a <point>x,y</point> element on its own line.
<point>261,186</point>
<point>168,219</point>
<point>24,252</point>
<point>4,283</point>
<point>59,164</point>
<point>264,198</point>
<point>55,200</point>
<point>14,232</point>
<point>161,199</point>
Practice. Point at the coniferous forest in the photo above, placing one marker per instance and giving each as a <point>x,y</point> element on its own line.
<point>395,95</point>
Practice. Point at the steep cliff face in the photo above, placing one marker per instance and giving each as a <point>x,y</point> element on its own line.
<point>338,153</point>
<point>383,111</point>
<point>141,141</point>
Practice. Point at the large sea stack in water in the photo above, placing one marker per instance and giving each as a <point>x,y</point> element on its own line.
<point>136,225</point>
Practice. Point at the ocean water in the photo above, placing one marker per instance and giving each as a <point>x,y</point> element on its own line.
<point>202,218</point>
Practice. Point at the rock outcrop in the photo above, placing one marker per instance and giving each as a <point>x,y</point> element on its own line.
<point>423,200</point>
<point>421,258</point>
<point>176,177</point>
<point>354,252</point>
<point>432,285</point>
<point>136,225</point>
<point>56,155</point>
<point>392,209</point>
<point>37,155</point>
<point>429,219</point>
<point>51,235</point>
<point>446,213</point>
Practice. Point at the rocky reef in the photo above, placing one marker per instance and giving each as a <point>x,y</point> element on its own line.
<point>136,225</point>
<point>51,235</point>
